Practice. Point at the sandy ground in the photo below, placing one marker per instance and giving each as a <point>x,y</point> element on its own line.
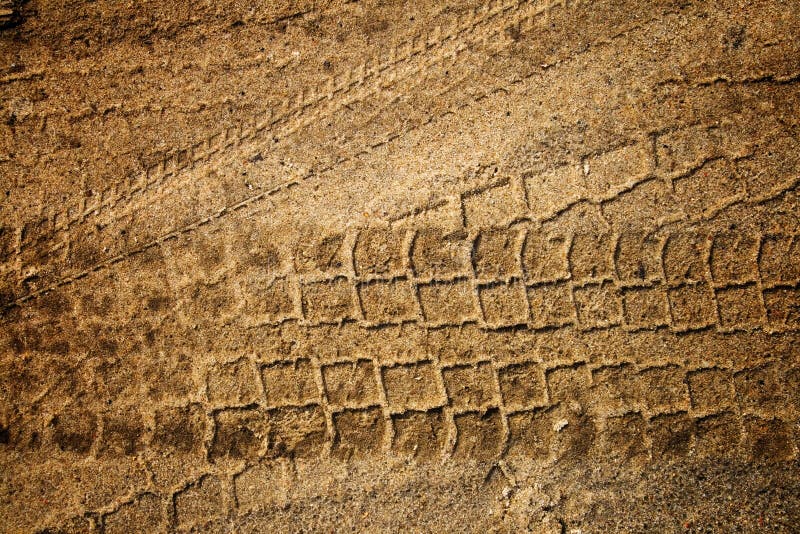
<point>396,266</point>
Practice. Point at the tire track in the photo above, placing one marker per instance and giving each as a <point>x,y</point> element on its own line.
<point>406,59</point>
<point>671,406</point>
<point>525,25</point>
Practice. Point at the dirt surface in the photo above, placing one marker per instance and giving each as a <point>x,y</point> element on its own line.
<point>399,266</point>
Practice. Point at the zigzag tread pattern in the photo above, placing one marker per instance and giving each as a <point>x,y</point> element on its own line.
<point>404,60</point>
<point>630,168</point>
<point>431,345</point>
<point>498,280</point>
<point>459,360</point>
<point>261,417</point>
<point>425,343</point>
<point>12,242</point>
<point>57,253</point>
<point>502,277</point>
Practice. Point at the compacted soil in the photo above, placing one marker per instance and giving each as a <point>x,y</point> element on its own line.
<point>304,266</point>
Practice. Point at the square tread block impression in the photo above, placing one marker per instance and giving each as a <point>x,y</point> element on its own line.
<point>504,304</point>
<point>290,383</point>
<point>351,383</point>
<point>740,308</point>
<point>380,252</point>
<point>448,302</point>
<point>421,434</point>
<point>645,307</point>
<point>522,386</point>
<point>328,301</point>
<point>497,253</point>
<point>415,386</point>
<point>439,253</point>
<point>692,306</point>
<point>359,433</point>
<point>471,386</point>
<point>598,305</point>
<point>388,302</point>
<point>551,305</point>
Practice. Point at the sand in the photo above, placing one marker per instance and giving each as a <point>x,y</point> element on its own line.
<point>395,266</point>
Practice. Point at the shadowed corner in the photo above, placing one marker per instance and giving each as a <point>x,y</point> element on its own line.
<point>10,13</point>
